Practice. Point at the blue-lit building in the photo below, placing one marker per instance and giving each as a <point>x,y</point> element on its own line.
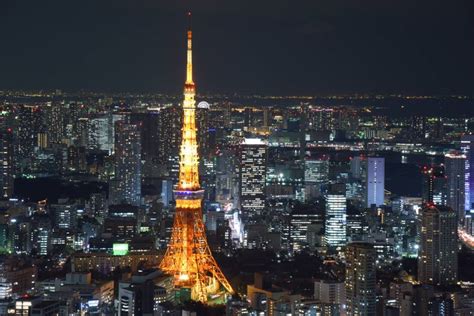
<point>375,181</point>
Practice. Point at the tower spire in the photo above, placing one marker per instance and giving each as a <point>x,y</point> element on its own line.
<point>188,257</point>
<point>189,64</point>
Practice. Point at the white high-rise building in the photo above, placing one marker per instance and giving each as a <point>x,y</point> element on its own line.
<point>253,153</point>
<point>335,223</point>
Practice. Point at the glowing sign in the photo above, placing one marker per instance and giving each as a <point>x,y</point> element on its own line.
<point>120,249</point>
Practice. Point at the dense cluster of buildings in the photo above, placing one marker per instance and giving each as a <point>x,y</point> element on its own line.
<point>132,205</point>
<point>290,180</point>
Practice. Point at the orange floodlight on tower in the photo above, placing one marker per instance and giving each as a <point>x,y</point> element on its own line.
<point>188,257</point>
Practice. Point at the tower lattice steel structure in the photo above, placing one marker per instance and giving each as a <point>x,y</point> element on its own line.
<point>188,257</point>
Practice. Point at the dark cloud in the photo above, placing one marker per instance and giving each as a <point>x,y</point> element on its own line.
<point>281,47</point>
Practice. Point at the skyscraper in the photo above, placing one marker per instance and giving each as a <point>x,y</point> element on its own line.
<point>375,191</point>
<point>127,185</point>
<point>188,257</point>
<point>335,222</point>
<point>202,124</point>
<point>455,163</point>
<point>467,148</point>
<point>56,121</point>
<point>434,185</point>
<point>316,171</point>
<point>253,152</point>
<point>437,259</point>
<point>30,123</point>
<point>360,279</point>
<point>6,157</point>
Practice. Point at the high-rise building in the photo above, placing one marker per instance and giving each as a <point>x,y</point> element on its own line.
<point>375,191</point>
<point>357,166</point>
<point>30,124</point>
<point>467,148</point>
<point>300,222</point>
<point>418,127</point>
<point>65,215</point>
<point>56,121</point>
<point>438,259</point>
<point>128,169</point>
<point>360,279</point>
<point>455,163</point>
<point>335,220</point>
<point>434,185</point>
<point>82,132</point>
<point>100,134</point>
<point>188,257</point>
<point>6,158</point>
<point>202,124</point>
<point>253,152</point>
<point>316,171</point>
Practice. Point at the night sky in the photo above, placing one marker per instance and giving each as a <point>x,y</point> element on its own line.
<point>245,46</point>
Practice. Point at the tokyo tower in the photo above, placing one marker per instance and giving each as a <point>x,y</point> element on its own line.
<point>188,257</point>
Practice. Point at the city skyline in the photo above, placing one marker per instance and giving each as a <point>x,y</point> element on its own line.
<point>150,204</point>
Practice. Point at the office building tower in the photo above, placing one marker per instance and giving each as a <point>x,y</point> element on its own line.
<point>375,190</point>
<point>418,127</point>
<point>82,133</point>
<point>330,292</point>
<point>316,170</point>
<point>360,279</point>
<point>30,124</point>
<point>127,188</point>
<point>335,220</point>
<point>56,121</point>
<point>65,215</point>
<point>467,148</point>
<point>455,163</point>
<point>357,165</point>
<point>202,124</point>
<point>253,152</point>
<point>100,136</point>
<point>320,119</point>
<point>434,188</point>
<point>41,234</point>
<point>437,258</point>
<point>301,224</point>
<point>6,158</point>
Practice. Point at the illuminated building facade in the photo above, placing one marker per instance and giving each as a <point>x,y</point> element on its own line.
<point>6,156</point>
<point>361,279</point>
<point>128,169</point>
<point>188,257</point>
<point>335,226</point>
<point>375,181</point>
<point>434,185</point>
<point>467,148</point>
<point>252,176</point>
<point>437,259</point>
<point>454,164</point>
<point>316,171</point>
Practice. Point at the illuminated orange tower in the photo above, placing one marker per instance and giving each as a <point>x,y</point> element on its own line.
<point>188,257</point>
